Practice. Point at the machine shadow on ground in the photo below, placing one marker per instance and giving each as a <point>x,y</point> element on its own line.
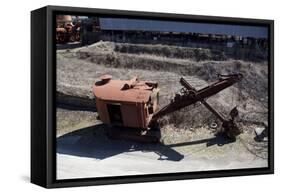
<point>92,142</point>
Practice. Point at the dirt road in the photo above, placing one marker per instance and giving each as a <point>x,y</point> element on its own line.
<point>87,152</point>
<point>139,163</point>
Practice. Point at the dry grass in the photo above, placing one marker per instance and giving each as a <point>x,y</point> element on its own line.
<point>196,54</point>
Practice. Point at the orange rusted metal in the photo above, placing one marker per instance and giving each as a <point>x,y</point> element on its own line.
<point>129,103</point>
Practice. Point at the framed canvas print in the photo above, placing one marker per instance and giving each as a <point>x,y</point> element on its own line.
<point>125,96</point>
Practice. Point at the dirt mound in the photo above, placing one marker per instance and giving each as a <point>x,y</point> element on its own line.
<point>79,68</point>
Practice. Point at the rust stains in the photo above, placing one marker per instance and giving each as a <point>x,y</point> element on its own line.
<point>129,103</point>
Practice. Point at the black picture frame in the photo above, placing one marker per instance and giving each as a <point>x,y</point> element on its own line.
<point>43,97</point>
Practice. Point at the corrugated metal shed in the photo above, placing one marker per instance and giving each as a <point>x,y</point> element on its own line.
<point>173,26</point>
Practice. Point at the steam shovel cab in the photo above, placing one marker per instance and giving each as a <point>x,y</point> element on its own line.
<point>126,103</point>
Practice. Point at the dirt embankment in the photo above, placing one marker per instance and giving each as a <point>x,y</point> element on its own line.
<point>197,54</point>
<point>79,68</point>
<point>213,52</point>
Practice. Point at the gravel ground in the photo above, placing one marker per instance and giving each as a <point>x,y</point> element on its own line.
<point>84,150</point>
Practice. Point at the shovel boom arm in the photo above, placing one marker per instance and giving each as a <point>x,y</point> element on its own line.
<point>190,95</point>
